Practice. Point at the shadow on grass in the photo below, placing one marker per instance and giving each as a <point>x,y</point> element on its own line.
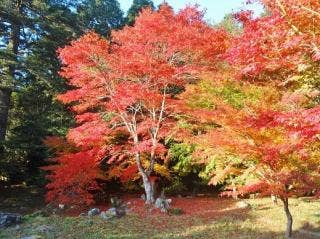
<point>21,199</point>
<point>208,218</point>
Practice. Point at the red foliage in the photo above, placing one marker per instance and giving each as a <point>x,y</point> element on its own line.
<point>121,86</point>
<point>266,46</point>
<point>73,177</point>
<point>280,143</point>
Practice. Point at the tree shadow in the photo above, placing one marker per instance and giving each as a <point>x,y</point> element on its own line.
<point>21,199</point>
<point>309,231</point>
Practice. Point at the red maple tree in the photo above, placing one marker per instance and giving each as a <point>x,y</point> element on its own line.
<point>122,92</point>
<point>280,141</point>
<point>271,145</point>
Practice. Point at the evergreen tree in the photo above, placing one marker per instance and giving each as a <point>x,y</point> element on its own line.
<point>101,15</point>
<point>135,9</point>
<point>30,34</point>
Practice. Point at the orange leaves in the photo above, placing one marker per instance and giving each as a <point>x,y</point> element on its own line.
<point>266,46</point>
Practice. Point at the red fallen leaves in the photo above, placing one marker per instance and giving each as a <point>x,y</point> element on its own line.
<point>202,207</point>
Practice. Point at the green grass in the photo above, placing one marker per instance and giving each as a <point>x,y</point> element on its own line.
<point>263,220</point>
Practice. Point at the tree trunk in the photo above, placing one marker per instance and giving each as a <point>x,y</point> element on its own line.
<point>288,234</point>
<point>148,187</point>
<point>7,82</point>
<point>5,95</point>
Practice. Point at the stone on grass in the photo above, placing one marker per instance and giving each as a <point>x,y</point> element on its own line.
<point>9,219</point>
<point>93,212</point>
<point>121,211</point>
<point>32,237</point>
<point>106,215</point>
<point>243,205</point>
<point>116,212</point>
<point>112,211</point>
<point>118,207</point>
<point>44,229</point>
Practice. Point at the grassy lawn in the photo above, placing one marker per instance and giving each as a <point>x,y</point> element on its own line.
<point>203,218</point>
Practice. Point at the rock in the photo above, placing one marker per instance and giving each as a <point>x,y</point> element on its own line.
<point>112,211</point>
<point>32,237</point>
<point>163,204</point>
<point>9,219</point>
<point>120,212</point>
<point>243,205</point>
<point>93,212</point>
<point>106,215</point>
<point>143,197</point>
<point>118,208</point>
<point>17,228</point>
<point>44,229</point>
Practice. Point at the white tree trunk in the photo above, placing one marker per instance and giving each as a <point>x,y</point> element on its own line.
<point>148,187</point>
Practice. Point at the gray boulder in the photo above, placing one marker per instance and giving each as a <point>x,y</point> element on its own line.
<point>112,211</point>
<point>9,219</point>
<point>163,204</point>
<point>106,215</point>
<point>44,229</point>
<point>117,212</point>
<point>93,212</point>
<point>32,237</point>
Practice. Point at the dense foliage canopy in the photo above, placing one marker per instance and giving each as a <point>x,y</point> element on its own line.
<point>166,98</point>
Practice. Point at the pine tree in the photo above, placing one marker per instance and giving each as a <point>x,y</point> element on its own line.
<point>101,15</point>
<point>135,9</point>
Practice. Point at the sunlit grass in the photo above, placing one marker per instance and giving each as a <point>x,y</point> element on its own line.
<point>263,220</point>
